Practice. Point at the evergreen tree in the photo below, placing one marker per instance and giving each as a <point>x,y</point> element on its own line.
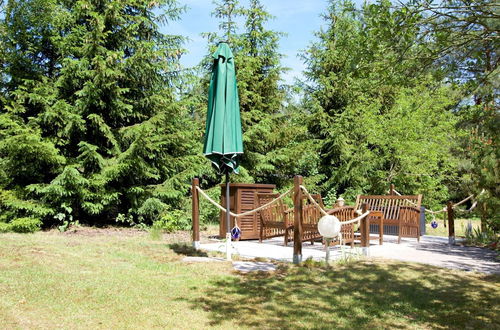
<point>91,127</point>
<point>276,144</point>
<point>378,122</point>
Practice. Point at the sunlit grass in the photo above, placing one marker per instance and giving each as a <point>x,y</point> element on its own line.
<point>54,280</point>
<point>460,227</point>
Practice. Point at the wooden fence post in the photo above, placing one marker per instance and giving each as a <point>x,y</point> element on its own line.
<point>451,224</point>
<point>195,215</point>
<point>391,190</point>
<point>297,220</point>
<point>365,232</point>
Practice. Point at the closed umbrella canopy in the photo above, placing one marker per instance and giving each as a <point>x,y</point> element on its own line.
<point>223,137</point>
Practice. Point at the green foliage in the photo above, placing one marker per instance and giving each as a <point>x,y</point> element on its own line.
<point>90,119</point>
<point>4,227</point>
<point>465,48</point>
<point>11,206</point>
<point>171,221</point>
<point>151,209</point>
<point>208,212</point>
<point>277,145</point>
<point>377,123</point>
<point>22,225</point>
<point>482,238</point>
<point>99,123</point>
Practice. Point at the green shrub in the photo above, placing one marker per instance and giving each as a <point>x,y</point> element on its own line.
<point>475,236</point>
<point>4,227</point>
<point>25,225</point>
<point>208,212</point>
<point>171,221</point>
<point>151,209</point>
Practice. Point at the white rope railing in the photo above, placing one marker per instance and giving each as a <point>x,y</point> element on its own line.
<point>239,215</point>
<point>445,209</point>
<point>436,212</point>
<point>358,219</point>
<point>462,201</point>
<point>313,201</point>
<point>473,206</point>
<point>343,223</point>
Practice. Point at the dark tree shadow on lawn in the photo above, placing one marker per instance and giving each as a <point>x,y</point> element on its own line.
<point>186,250</point>
<point>362,294</point>
<point>487,260</point>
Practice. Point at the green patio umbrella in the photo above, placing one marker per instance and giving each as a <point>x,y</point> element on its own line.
<point>223,137</point>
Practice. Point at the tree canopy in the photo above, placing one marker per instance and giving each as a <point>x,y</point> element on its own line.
<point>100,123</point>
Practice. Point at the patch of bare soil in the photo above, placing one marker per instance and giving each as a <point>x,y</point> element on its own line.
<point>177,236</point>
<point>94,231</point>
<point>174,237</point>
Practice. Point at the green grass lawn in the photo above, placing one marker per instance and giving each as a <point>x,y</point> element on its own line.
<point>460,226</point>
<point>126,280</point>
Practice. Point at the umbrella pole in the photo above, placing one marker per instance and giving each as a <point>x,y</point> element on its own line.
<point>228,220</point>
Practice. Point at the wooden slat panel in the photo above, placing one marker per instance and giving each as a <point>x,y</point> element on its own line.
<point>403,197</point>
<point>390,205</point>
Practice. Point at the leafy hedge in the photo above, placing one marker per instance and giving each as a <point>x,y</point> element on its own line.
<point>21,225</point>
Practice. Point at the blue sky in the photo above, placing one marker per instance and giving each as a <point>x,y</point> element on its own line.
<point>299,19</point>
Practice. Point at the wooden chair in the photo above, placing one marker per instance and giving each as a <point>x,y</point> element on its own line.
<point>275,220</point>
<point>409,222</point>
<point>310,217</point>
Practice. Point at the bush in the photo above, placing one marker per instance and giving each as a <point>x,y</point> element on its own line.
<point>25,225</point>
<point>208,212</point>
<point>4,227</point>
<point>482,238</point>
<point>171,221</point>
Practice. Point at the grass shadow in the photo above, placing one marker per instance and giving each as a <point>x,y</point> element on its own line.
<point>357,295</point>
<point>186,250</point>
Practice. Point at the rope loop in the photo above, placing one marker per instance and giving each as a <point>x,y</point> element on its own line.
<point>445,209</point>
<point>239,215</point>
<point>342,223</point>
<point>313,200</point>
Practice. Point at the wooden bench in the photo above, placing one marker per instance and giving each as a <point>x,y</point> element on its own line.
<point>400,211</point>
<point>277,220</point>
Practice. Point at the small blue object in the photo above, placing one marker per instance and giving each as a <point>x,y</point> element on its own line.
<point>434,224</point>
<point>235,233</point>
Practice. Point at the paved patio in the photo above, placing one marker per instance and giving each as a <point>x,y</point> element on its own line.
<point>431,250</point>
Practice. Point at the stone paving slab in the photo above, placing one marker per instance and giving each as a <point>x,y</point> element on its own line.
<point>253,266</point>
<point>202,259</point>
<point>431,250</point>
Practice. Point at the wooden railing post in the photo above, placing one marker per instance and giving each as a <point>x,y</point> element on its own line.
<point>451,224</point>
<point>391,190</point>
<point>365,232</point>
<point>195,215</point>
<point>297,220</point>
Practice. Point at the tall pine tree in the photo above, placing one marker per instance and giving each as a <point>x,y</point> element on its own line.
<point>91,127</point>
<point>276,144</point>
